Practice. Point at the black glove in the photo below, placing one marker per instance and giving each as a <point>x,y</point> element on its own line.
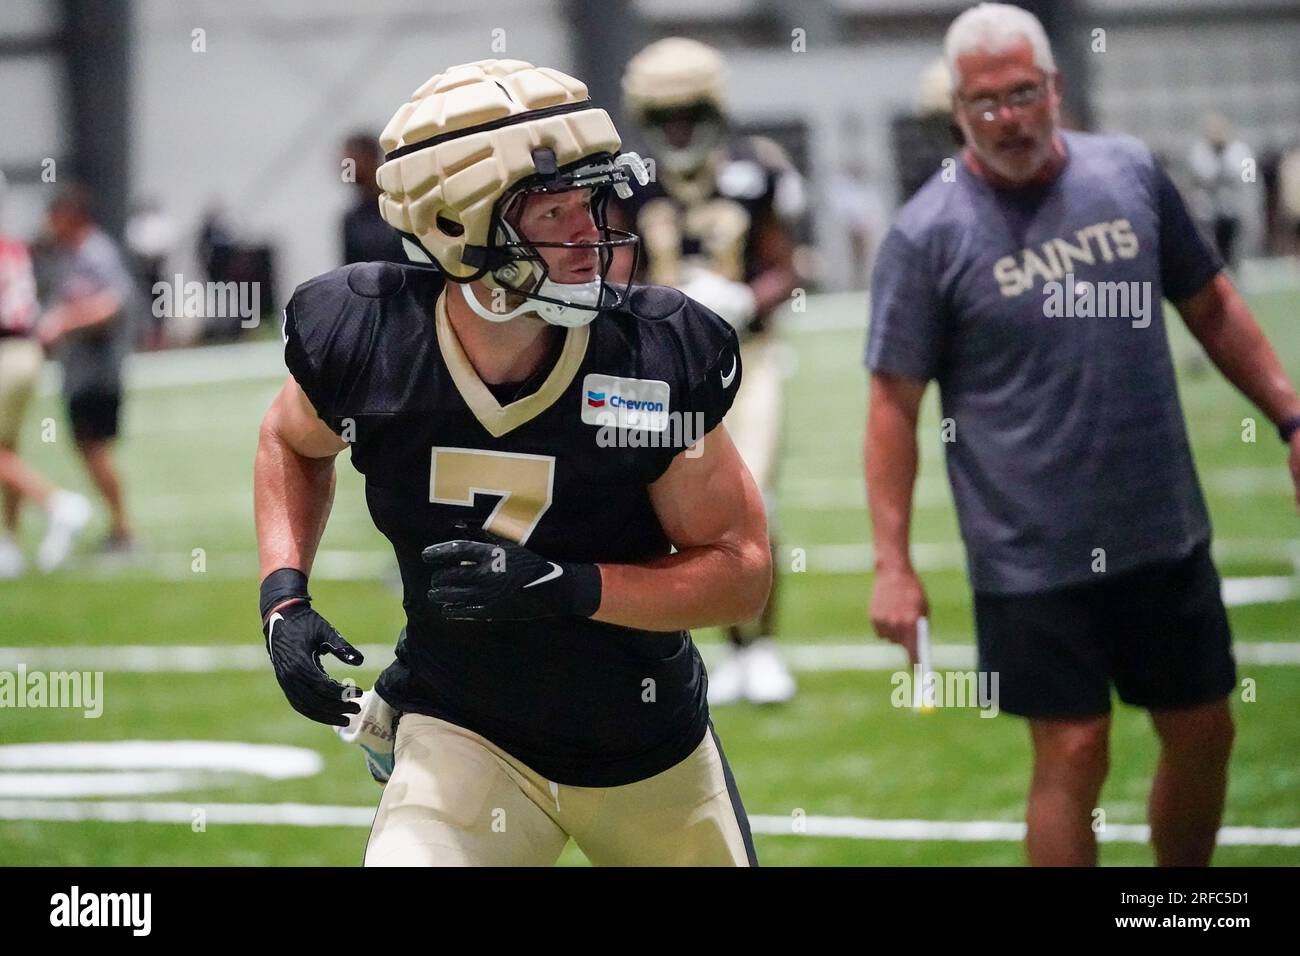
<point>296,636</point>
<point>497,580</point>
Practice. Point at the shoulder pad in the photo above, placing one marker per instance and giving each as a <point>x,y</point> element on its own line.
<point>328,330</point>
<point>654,301</point>
<point>375,280</point>
<point>701,348</point>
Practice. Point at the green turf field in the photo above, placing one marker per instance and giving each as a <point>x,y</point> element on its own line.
<point>839,750</point>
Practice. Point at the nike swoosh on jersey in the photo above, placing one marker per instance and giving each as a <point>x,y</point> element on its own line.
<point>550,575</point>
<point>730,377</point>
<point>270,634</point>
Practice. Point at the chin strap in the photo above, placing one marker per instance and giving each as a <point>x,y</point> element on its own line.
<point>569,316</point>
<point>481,310</point>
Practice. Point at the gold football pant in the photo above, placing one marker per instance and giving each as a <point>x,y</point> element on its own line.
<point>456,799</point>
<point>754,422</point>
<point>20,368</point>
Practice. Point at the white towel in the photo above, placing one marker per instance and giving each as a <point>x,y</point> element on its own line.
<point>373,730</point>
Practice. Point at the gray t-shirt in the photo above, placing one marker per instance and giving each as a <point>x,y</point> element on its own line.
<point>1066,432</point>
<point>92,358</point>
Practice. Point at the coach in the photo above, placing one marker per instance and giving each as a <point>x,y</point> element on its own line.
<point>1026,278</point>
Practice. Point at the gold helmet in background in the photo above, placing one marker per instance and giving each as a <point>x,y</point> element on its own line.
<point>675,90</point>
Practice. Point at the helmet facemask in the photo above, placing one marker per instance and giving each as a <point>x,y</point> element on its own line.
<point>513,262</point>
<point>705,130</point>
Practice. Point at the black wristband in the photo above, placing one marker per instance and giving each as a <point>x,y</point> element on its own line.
<point>586,584</point>
<point>281,585</point>
<point>1287,428</point>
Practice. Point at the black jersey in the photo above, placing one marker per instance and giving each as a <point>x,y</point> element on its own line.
<point>564,469</point>
<point>714,221</point>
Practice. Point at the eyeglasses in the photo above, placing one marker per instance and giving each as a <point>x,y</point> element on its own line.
<point>987,108</point>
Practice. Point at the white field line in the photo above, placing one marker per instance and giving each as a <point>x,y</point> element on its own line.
<point>990,831</point>
<point>951,556</point>
<point>849,493</point>
<point>849,653</point>
<point>854,828</point>
<point>167,659</point>
<point>192,366</point>
<point>795,494</point>
<point>337,564</point>
<point>276,814</point>
<point>331,565</point>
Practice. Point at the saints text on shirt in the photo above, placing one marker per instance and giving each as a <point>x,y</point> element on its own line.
<point>1100,242</point>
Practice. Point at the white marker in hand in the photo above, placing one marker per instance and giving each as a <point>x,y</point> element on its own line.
<point>923,688</point>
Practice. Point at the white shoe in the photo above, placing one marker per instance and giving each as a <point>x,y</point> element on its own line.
<point>12,562</point>
<point>767,679</point>
<point>727,680</point>
<point>69,513</point>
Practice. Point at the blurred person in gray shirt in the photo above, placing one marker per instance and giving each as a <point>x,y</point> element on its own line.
<point>1026,278</point>
<point>21,359</point>
<point>88,328</point>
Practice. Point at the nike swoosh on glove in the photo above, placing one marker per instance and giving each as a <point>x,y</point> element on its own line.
<point>296,637</point>
<point>494,579</point>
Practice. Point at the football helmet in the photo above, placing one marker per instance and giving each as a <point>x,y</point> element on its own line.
<point>674,90</point>
<point>475,141</point>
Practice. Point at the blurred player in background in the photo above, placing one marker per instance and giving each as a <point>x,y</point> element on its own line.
<point>1288,200</point>
<point>1222,194</point>
<point>716,222</point>
<point>20,367</point>
<point>1086,533</point>
<point>366,237</point>
<point>150,237</point>
<point>89,328</point>
<point>501,408</point>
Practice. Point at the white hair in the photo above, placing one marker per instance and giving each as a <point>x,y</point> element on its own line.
<point>995,28</point>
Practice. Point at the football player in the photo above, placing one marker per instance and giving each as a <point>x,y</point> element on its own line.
<point>717,222</point>
<point>528,431</point>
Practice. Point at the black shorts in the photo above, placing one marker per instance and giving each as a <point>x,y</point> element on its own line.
<point>94,414</point>
<point>1159,633</point>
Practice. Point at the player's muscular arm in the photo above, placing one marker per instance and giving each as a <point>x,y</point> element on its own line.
<point>890,462</point>
<point>293,481</point>
<point>293,487</point>
<point>712,512</point>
